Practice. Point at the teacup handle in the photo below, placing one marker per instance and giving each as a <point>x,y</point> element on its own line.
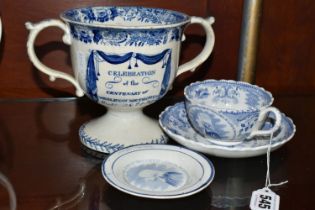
<point>261,119</point>
<point>52,73</point>
<point>206,51</point>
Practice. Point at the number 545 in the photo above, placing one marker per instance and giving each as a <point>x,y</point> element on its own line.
<point>265,202</point>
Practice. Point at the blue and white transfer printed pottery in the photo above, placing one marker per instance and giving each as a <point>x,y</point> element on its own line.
<point>229,111</point>
<point>124,58</point>
<point>158,171</point>
<point>175,123</point>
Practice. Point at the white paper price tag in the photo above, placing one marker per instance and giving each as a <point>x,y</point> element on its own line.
<point>264,199</point>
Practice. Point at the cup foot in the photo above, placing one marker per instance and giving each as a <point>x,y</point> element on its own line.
<point>116,130</point>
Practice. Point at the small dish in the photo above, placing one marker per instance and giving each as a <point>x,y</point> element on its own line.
<point>174,122</point>
<point>158,171</point>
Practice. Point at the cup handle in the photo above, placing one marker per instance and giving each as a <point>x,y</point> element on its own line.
<point>206,51</point>
<point>52,73</point>
<point>261,119</point>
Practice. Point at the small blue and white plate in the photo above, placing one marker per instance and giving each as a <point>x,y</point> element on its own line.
<point>158,171</point>
<point>174,122</point>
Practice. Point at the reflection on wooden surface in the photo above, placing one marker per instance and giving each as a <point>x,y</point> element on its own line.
<point>45,162</point>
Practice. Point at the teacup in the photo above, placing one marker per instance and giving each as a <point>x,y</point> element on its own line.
<point>124,58</point>
<point>229,111</point>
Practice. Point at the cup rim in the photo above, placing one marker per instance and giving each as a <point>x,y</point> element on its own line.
<point>229,110</point>
<point>186,19</point>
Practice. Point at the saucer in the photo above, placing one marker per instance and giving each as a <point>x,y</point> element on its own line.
<point>158,171</point>
<point>174,122</point>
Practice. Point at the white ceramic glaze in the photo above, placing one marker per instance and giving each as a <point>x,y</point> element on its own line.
<point>158,171</point>
<point>175,123</point>
<point>229,111</point>
<point>124,58</point>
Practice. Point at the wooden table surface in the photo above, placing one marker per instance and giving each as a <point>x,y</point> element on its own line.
<point>41,155</point>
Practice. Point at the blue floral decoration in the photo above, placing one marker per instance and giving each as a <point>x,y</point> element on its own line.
<point>154,176</point>
<point>98,32</point>
<point>140,14</point>
<point>119,37</point>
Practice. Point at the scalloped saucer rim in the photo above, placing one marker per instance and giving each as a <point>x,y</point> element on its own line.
<point>198,143</point>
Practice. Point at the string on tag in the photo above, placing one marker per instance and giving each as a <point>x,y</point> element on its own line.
<point>268,182</point>
<point>265,198</point>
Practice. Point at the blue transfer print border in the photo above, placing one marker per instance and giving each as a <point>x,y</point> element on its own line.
<point>122,37</point>
<point>92,73</point>
<point>144,15</point>
<point>107,147</point>
<point>228,91</point>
